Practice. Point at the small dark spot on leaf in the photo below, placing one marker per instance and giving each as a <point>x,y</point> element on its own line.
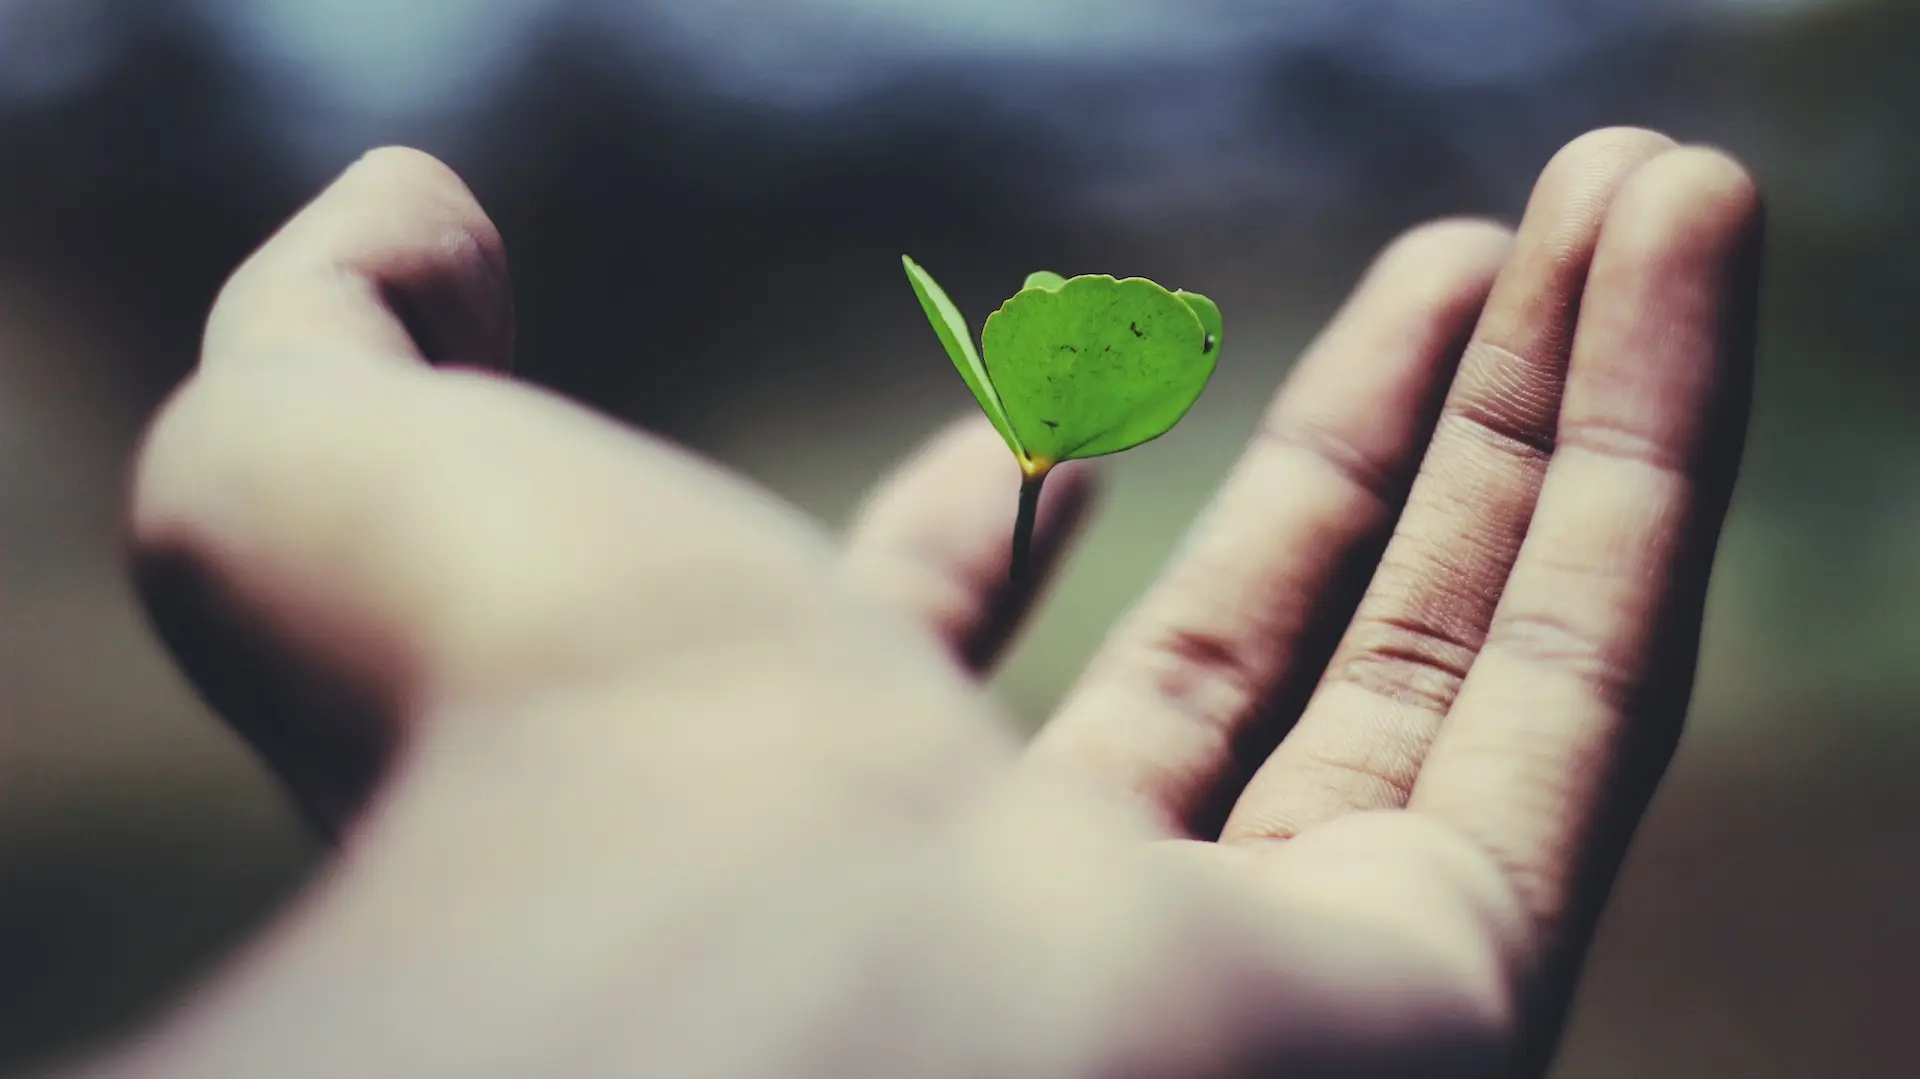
<point>1070,348</point>
<point>1208,347</point>
<point>1051,423</point>
<point>1135,327</point>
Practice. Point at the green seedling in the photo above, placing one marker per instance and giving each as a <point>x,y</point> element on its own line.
<point>1077,367</point>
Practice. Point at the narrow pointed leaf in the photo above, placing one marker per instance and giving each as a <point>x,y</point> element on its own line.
<point>951,327</point>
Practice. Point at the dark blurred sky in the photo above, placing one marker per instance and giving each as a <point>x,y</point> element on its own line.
<point>1139,92</point>
<point>764,141</point>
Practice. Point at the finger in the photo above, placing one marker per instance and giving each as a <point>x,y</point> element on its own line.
<point>1361,739</point>
<point>934,538</point>
<point>395,259</point>
<point>1196,680</point>
<point>393,262</point>
<point>1575,703</point>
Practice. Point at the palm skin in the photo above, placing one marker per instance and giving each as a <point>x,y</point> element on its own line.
<point>634,772</point>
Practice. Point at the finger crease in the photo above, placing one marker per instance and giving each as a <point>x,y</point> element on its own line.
<point>1520,420</point>
<point>1557,643</point>
<point>1378,481</point>
<point>1395,784</point>
<point>1205,676</point>
<point>1409,661</point>
<point>929,582</point>
<point>1615,442</point>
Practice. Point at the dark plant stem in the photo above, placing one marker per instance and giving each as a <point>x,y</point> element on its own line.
<point>1020,570</point>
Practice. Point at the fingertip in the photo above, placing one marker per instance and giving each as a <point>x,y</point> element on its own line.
<point>1073,489</point>
<point>934,538</point>
<point>1603,152</point>
<point>414,180</point>
<point>970,435</point>
<point>405,226</point>
<point>1695,195</point>
<point>1437,266</point>
<point>1473,241</point>
<point>1577,189</point>
<point>967,452</point>
<point>1667,341</point>
<point>405,164</point>
<point>1737,185</point>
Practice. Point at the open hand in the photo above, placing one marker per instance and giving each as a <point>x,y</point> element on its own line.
<point>635,773</point>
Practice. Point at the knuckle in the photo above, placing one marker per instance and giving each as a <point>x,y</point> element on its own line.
<point>1407,659</point>
<point>1561,644</point>
<point>1379,480</point>
<point>235,448</point>
<point>1513,416</point>
<point>1363,775</point>
<point>1208,677</point>
<point>1622,442</point>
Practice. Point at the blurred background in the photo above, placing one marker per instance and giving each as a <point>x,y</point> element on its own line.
<point>705,202</point>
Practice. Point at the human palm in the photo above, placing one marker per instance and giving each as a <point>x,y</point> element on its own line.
<point>634,772</point>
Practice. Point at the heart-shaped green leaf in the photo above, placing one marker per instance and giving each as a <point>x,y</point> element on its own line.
<point>1098,365</point>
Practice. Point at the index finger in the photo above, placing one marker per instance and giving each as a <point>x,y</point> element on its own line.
<point>393,266</point>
